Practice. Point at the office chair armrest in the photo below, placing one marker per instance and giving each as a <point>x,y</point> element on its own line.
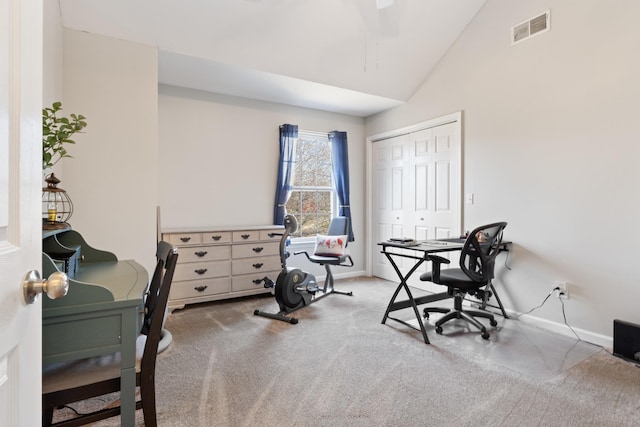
<point>436,261</point>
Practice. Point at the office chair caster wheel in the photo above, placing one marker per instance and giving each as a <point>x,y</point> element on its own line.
<point>439,330</point>
<point>425,314</point>
<point>485,335</point>
<point>493,322</point>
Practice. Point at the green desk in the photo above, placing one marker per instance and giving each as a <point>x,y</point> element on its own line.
<point>101,314</point>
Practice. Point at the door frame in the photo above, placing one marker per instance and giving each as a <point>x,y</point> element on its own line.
<point>455,117</point>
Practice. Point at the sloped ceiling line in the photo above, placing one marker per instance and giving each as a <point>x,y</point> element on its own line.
<point>346,56</point>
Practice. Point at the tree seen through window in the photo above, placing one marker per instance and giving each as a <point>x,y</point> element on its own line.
<point>312,195</point>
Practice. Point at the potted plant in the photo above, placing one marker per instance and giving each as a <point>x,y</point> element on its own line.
<point>56,132</point>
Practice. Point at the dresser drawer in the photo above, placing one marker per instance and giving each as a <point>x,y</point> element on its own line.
<point>253,281</point>
<point>201,270</point>
<point>203,253</point>
<point>271,235</point>
<point>255,249</point>
<point>246,236</point>
<point>199,288</point>
<point>217,237</point>
<point>181,239</point>
<point>253,265</point>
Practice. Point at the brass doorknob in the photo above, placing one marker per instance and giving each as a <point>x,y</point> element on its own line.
<point>56,286</point>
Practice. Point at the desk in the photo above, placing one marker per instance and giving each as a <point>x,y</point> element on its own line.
<point>101,314</point>
<point>419,254</point>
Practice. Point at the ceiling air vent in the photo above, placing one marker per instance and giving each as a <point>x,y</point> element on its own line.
<point>531,27</point>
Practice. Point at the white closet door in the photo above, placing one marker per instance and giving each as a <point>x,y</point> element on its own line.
<point>390,185</point>
<point>416,192</point>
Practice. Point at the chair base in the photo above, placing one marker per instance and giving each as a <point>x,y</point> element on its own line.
<point>458,313</point>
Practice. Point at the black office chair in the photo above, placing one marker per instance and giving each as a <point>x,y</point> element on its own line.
<point>74,381</point>
<point>477,262</point>
<point>339,226</point>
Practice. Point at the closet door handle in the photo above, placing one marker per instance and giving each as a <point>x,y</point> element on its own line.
<point>201,253</point>
<point>258,249</point>
<point>258,265</point>
<point>201,270</point>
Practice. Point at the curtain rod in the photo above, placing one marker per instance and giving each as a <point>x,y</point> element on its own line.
<point>313,132</point>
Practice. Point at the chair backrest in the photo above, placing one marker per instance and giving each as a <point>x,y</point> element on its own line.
<point>477,259</point>
<point>339,226</point>
<point>156,302</point>
<point>162,252</point>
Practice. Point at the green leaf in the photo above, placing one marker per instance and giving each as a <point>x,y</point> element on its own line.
<point>56,132</point>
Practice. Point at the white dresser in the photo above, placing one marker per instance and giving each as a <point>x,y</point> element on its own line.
<point>225,262</point>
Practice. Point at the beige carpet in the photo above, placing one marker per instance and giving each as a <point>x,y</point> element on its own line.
<point>340,367</point>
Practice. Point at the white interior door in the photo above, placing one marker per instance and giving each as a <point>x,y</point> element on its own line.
<point>417,190</point>
<point>390,186</point>
<point>20,223</point>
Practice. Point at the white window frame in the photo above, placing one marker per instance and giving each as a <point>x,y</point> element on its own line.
<point>310,240</point>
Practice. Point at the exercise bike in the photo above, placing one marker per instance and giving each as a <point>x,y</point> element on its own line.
<point>294,288</point>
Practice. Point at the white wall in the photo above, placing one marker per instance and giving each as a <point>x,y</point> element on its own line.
<point>113,177</point>
<point>52,54</point>
<point>218,156</point>
<point>551,146</point>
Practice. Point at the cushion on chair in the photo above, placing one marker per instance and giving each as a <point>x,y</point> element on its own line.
<point>453,277</point>
<point>330,246</point>
<point>67,375</point>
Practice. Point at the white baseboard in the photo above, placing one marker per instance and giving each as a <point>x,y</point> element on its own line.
<point>562,329</point>
<point>348,274</point>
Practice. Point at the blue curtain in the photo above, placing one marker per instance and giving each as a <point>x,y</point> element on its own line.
<point>288,137</point>
<point>340,160</point>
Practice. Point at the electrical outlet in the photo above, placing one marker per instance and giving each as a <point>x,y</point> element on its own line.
<point>563,289</point>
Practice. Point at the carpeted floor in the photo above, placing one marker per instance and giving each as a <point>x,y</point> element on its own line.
<point>339,366</point>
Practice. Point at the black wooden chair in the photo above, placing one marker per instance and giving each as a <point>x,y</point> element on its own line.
<point>74,381</point>
<point>477,264</point>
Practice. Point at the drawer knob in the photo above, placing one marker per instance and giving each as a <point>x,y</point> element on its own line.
<point>258,264</point>
<point>258,249</point>
<point>201,253</point>
<point>185,239</point>
<point>216,237</point>
<point>201,270</point>
<point>245,236</point>
<point>200,288</point>
<point>257,281</point>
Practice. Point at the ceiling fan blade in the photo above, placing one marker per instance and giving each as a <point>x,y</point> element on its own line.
<point>381,4</point>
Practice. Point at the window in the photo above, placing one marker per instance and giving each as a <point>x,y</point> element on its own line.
<point>312,199</point>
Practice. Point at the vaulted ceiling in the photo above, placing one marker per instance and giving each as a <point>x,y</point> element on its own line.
<point>346,56</point>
